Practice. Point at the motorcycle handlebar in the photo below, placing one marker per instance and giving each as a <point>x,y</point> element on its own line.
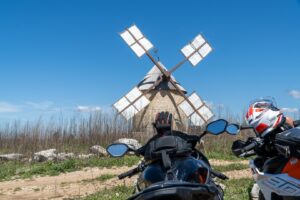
<point>296,123</point>
<point>129,173</point>
<point>248,154</point>
<point>219,175</point>
<point>249,147</point>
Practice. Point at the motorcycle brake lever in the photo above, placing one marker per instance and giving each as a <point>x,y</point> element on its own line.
<point>219,175</point>
<point>247,154</point>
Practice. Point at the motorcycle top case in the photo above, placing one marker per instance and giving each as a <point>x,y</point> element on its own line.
<point>288,142</point>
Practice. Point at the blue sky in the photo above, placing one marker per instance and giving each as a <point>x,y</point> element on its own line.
<point>65,56</point>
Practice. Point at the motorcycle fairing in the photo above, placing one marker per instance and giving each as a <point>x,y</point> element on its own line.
<point>292,168</point>
<point>280,184</point>
<point>275,165</point>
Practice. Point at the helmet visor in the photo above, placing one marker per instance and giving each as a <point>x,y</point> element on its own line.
<point>264,103</point>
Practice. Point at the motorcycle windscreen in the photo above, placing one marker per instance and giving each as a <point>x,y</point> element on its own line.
<point>184,169</point>
<point>191,170</point>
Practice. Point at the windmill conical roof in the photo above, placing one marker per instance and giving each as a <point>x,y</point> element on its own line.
<point>153,75</point>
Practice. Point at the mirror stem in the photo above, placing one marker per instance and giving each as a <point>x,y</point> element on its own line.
<point>246,127</point>
<point>203,134</point>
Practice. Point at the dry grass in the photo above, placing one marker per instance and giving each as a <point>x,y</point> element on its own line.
<point>72,134</point>
<point>78,133</point>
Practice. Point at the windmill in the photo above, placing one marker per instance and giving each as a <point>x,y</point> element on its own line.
<point>159,90</point>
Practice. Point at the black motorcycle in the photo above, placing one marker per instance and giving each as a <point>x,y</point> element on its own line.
<point>173,168</point>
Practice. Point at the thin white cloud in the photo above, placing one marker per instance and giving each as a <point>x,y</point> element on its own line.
<point>213,105</point>
<point>295,94</point>
<point>291,110</point>
<point>42,106</point>
<point>88,109</point>
<point>6,107</point>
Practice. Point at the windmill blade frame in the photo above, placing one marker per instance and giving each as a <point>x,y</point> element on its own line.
<point>197,47</point>
<point>200,106</point>
<point>130,104</point>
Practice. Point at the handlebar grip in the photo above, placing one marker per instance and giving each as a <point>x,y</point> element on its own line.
<point>248,154</point>
<point>249,147</point>
<point>129,173</point>
<point>296,123</point>
<point>219,175</point>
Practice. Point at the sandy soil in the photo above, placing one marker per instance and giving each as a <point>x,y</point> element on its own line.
<point>80,183</point>
<point>74,184</point>
<point>227,162</point>
<point>237,174</point>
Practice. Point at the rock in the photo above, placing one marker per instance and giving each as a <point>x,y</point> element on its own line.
<point>65,156</point>
<point>46,155</point>
<point>85,156</point>
<point>11,157</point>
<point>132,143</point>
<point>98,150</point>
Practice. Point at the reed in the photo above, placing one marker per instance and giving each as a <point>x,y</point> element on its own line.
<point>80,131</point>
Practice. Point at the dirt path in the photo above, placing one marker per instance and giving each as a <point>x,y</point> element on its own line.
<point>237,174</point>
<point>227,162</point>
<point>81,183</point>
<point>74,184</point>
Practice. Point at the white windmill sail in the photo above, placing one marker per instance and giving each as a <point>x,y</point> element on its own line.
<point>131,103</point>
<point>203,113</point>
<point>196,50</point>
<point>136,40</point>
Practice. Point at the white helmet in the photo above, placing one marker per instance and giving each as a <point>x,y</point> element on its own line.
<point>264,116</point>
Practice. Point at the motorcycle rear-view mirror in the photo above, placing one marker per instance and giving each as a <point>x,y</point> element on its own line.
<point>217,127</point>
<point>117,150</point>
<point>233,129</point>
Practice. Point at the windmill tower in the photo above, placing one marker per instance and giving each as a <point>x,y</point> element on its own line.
<point>159,90</point>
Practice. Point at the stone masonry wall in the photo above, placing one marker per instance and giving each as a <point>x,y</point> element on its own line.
<point>162,100</point>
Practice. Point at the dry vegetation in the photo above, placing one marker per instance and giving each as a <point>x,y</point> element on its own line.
<point>70,134</point>
<point>77,133</point>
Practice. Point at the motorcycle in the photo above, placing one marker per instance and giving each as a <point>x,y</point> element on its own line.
<point>276,165</point>
<point>173,168</point>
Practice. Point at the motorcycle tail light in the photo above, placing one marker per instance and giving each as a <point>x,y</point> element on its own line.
<point>202,179</point>
<point>202,175</point>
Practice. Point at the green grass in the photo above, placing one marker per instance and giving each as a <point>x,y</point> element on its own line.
<point>220,155</point>
<point>101,178</point>
<point>105,177</point>
<point>230,167</point>
<point>237,189</point>
<point>14,170</point>
<point>116,193</point>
